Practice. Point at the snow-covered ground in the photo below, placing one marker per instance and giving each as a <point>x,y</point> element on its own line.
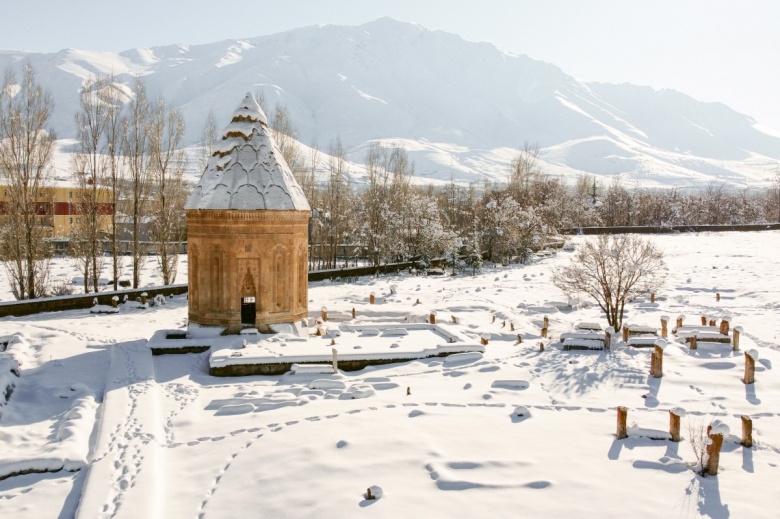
<point>513,432</point>
<point>63,272</point>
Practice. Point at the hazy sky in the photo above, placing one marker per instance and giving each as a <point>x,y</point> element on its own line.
<point>714,50</point>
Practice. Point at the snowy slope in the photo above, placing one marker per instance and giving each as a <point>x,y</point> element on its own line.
<point>459,105</point>
<point>172,441</point>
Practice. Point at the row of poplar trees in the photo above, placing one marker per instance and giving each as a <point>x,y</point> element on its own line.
<point>128,165</point>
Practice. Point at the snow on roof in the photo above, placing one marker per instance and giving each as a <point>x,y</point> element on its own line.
<point>247,171</point>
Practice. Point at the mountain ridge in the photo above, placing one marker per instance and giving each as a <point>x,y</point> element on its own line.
<point>462,108</point>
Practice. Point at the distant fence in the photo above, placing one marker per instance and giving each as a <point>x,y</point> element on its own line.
<point>667,229</point>
<point>81,301</point>
<point>319,275</point>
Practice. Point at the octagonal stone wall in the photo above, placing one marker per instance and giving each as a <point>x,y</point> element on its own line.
<point>234,254</point>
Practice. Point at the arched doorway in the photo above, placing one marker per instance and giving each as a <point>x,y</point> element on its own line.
<point>248,300</point>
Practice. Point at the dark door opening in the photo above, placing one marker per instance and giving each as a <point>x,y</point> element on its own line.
<point>248,311</point>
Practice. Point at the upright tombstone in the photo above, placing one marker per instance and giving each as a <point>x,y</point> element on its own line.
<point>657,359</point>
<point>247,231</point>
<point>735,338</point>
<point>724,326</point>
<point>608,334</point>
<point>674,422</point>
<point>747,431</point>
<point>680,319</point>
<point>750,366</point>
<point>664,326</point>
<point>622,418</point>
<point>716,432</point>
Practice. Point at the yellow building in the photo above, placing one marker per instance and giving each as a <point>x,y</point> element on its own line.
<point>60,208</point>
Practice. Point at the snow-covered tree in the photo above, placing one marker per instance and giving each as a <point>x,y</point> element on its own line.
<point>509,230</point>
<point>426,235</point>
<point>474,256</point>
<point>384,203</point>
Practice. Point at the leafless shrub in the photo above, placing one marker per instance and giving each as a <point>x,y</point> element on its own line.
<point>613,270</point>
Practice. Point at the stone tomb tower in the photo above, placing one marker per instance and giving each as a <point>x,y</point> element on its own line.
<point>247,231</point>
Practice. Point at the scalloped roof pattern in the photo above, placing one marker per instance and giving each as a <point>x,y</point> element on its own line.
<point>247,170</point>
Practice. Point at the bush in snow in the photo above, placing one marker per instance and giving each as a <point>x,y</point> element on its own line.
<point>706,442</point>
<point>61,289</point>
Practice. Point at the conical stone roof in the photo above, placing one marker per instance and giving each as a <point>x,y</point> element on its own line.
<point>247,170</point>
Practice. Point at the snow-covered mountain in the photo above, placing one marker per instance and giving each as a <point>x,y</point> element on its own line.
<point>462,109</point>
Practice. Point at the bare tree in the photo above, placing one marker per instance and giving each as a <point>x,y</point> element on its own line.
<point>523,171</point>
<point>618,205</point>
<point>208,140</point>
<point>135,147</point>
<point>90,168</point>
<point>715,204</point>
<point>166,164</point>
<point>285,135</point>
<point>613,270</point>
<point>113,99</point>
<point>26,146</point>
<point>335,218</point>
<point>310,177</point>
<point>774,198</point>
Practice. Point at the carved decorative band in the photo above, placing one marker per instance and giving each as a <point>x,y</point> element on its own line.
<point>261,215</point>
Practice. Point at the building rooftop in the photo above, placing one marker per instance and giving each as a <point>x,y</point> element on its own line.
<point>247,171</point>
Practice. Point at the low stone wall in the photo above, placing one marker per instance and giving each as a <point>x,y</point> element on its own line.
<point>80,301</point>
<point>280,368</point>
<point>179,351</point>
<point>659,229</point>
<point>75,302</point>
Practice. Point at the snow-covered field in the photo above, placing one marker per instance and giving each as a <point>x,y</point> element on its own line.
<point>64,273</point>
<point>437,438</point>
